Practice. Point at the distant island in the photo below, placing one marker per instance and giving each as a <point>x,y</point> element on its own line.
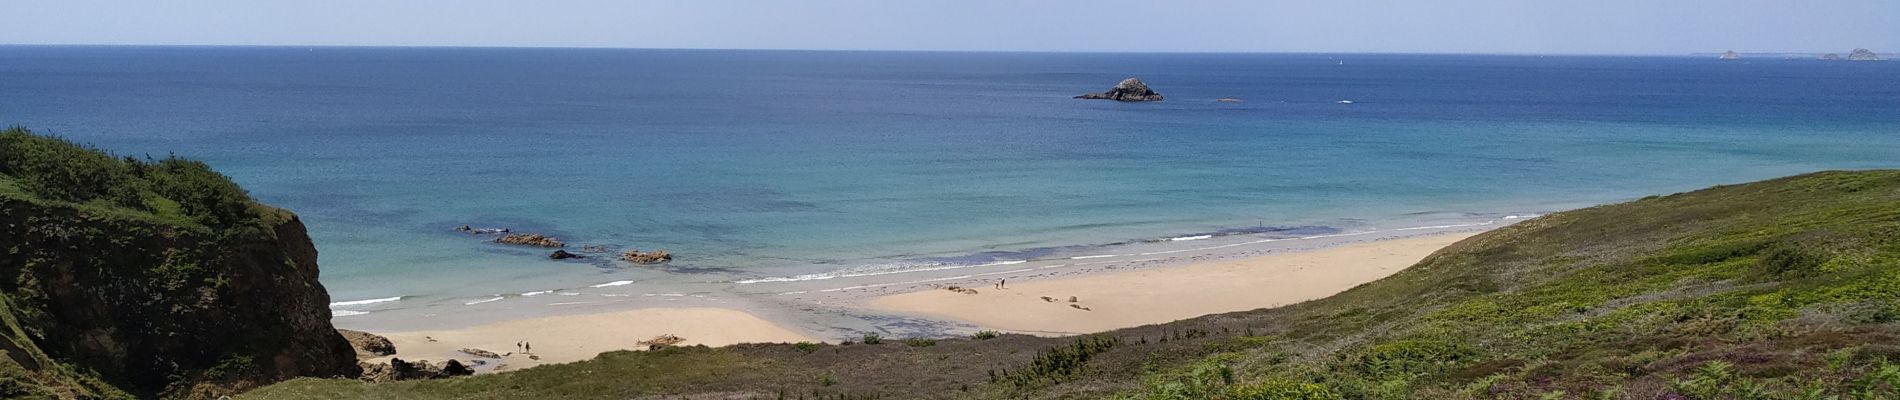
<point>1858,54</point>
<point>1863,55</point>
<point>1130,89</point>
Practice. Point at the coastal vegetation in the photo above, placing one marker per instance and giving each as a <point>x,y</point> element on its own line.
<point>1787,288</point>
<point>123,277</point>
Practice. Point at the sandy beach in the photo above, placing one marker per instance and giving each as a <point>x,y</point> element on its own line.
<point>1113,300</point>
<point>569,338</point>
<point>1055,297</point>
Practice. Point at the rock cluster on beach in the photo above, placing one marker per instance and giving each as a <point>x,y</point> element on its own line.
<point>646,257</point>
<point>531,239</point>
<point>368,345</point>
<point>479,353</point>
<point>662,341</point>
<point>398,370</point>
<point>1130,89</point>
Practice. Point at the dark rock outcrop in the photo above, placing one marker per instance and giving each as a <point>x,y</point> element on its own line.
<point>563,255</point>
<point>1863,55</point>
<point>168,311</point>
<point>1130,89</point>
<point>399,370</point>
<point>368,345</point>
<point>648,257</point>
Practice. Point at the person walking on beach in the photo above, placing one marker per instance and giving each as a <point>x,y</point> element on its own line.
<point>527,347</point>
<point>518,347</point>
<point>1002,283</point>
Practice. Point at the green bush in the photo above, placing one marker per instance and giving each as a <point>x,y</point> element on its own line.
<point>174,188</point>
<point>56,169</point>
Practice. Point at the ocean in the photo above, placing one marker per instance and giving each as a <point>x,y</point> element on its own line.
<point>756,166</point>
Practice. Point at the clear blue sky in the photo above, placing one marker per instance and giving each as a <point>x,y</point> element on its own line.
<point>1459,26</point>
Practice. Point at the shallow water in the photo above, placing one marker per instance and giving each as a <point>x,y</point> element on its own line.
<point>753,165</point>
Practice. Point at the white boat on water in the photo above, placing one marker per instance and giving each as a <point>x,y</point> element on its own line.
<point>1345,102</point>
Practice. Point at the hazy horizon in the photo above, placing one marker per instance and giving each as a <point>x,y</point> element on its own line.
<point>1616,27</point>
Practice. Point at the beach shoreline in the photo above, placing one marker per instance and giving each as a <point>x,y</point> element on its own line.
<point>1113,291</point>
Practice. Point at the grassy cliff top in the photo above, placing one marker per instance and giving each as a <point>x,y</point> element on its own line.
<point>1787,288</point>
<point>53,171</point>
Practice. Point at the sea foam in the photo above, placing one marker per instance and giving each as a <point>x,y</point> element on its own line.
<point>362,302</point>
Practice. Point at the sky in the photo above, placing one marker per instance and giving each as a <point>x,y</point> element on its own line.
<point>1398,26</point>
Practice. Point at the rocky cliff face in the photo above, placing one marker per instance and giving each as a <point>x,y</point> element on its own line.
<point>1130,89</point>
<point>168,311</point>
<point>122,277</point>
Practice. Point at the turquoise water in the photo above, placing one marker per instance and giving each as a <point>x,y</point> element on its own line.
<point>759,164</point>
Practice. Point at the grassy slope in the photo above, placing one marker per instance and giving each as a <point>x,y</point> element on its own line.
<point>1788,288</point>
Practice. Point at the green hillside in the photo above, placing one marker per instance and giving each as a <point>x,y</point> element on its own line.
<point>1788,288</point>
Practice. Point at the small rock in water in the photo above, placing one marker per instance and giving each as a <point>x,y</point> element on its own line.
<point>531,239</point>
<point>563,255</point>
<point>648,257</point>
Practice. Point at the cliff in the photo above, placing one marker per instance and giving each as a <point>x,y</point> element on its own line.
<point>142,278</point>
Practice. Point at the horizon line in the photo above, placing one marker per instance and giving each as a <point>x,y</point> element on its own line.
<point>866,50</point>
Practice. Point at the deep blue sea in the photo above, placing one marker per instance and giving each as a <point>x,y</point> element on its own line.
<point>750,164</point>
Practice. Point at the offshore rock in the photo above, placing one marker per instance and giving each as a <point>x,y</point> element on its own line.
<point>563,255</point>
<point>531,239</point>
<point>1130,89</point>
<point>651,257</point>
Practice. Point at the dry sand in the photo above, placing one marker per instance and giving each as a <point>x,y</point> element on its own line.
<point>569,338</point>
<point>1159,295</point>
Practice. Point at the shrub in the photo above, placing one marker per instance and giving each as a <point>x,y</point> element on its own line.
<point>986,335</point>
<point>1059,363</point>
<point>58,169</point>
<point>55,169</point>
<point>919,342</point>
<point>873,338</point>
